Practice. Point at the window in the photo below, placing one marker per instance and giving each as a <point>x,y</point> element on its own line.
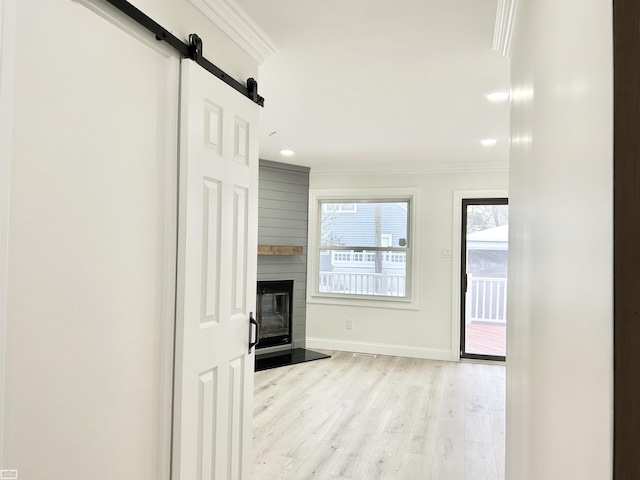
<point>362,245</point>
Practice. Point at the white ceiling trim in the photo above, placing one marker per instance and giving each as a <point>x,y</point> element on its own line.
<point>413,170</point>
<point>505,20</point>
<point>238,25</point>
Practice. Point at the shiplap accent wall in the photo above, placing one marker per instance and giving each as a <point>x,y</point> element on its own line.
<point>282,220</point>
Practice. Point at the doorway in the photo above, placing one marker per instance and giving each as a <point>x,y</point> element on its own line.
<point>483,278</point>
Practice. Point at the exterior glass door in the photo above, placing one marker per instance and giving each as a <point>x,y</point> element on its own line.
<point>485,247</point>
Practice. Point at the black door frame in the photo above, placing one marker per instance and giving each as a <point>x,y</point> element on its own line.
<point>626,249</point>
<point>463,275</point>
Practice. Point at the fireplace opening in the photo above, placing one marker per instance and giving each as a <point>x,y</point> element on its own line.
<point>274,312</point>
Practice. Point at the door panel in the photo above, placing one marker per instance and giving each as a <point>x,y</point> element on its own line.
<point>216,279</point>
<point>240,216</point>
<point>211,250</point>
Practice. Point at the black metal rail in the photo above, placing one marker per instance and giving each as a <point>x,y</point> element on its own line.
<point>192,50</point>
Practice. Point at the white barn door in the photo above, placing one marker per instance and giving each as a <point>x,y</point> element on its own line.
<point>216,279</point>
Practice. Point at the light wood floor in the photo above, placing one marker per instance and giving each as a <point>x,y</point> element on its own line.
<point>379,418</point>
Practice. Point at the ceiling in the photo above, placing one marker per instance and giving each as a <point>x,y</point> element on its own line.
<point>382,85</point>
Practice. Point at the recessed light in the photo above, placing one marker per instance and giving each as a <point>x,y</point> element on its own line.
<point>286,152</point>
<point>498,96</point>
<point>488,142</point>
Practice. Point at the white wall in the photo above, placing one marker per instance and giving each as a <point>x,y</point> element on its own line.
<point>92,241</point>
<point>425,332</point>
<point>7,39</point>
<point>559,346</point>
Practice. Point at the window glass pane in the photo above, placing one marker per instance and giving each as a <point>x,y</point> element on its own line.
<point>339,207</point>
<point>363,272</point>
<point>483,217</point>
<point>364,224</point>
<point>486,268</point>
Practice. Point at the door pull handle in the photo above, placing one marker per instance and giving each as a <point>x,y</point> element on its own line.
<point>253,322</point>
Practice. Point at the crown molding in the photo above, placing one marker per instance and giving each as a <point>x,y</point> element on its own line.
<point>429,168</point>
<point>505,24</point>
<point>239,26</point>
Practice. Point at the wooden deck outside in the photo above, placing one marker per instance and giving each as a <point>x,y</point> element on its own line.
<point>486,339</point>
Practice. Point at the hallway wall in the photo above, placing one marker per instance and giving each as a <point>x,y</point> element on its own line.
<point>559,345</point>
<point>92,233</point>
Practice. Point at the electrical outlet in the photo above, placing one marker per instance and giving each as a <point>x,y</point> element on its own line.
<point>446,253</point>
<point>349,324</point>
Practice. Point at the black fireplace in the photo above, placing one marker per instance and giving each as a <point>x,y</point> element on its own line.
<point>274,307</point>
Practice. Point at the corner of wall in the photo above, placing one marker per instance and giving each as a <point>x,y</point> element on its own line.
<point>7,39</point>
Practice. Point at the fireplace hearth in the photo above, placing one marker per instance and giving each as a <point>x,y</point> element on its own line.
<point>274,313</point>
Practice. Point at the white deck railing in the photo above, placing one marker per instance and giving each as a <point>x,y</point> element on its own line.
<point>486,300</point>
<point>366,257</point>
<point>486,297</point>
<point>363,283</point>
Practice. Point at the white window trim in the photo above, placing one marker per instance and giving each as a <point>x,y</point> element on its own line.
<point>411,301</point>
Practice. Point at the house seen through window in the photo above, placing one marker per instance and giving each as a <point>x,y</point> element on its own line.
<point>364,247</point>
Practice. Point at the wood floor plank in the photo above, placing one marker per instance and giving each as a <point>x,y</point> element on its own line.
<point>478,428</point>
<point>353,462</point>
<point>423,436</point>
<point>320,463</point>
<point>415,467</point>
<point>281,468</point>
<point>425,428</point>
<point>480,462</point>
<point>386,460</point>
<point>405,411</point>
<point>498,435</point>
<point>362,418</point>
<point>495,387</point>
<point>449,458</point>
<point>476,398</point>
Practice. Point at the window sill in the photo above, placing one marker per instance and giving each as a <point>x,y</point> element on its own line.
<point>343,300</point>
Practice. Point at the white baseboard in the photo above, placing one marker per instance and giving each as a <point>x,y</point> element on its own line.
<point>379,348</point>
